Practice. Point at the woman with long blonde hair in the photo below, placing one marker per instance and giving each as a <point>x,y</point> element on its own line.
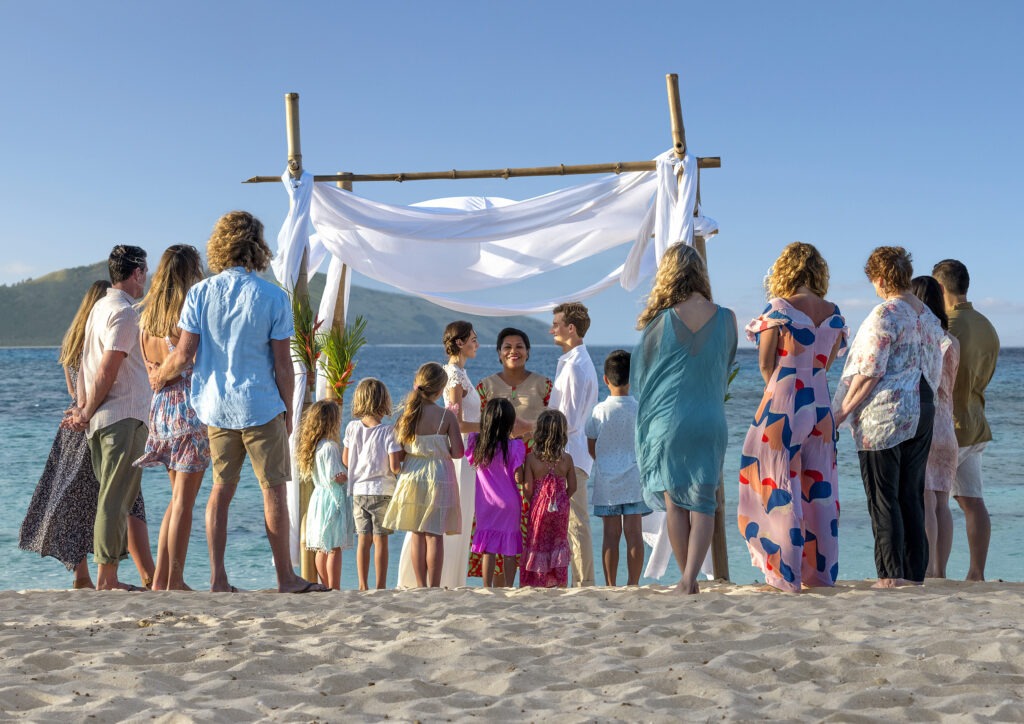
<point>177,438</point>
<point>788,510</point>
<point>59,521</point>
<point>426,499</point>
<point>679,374</point>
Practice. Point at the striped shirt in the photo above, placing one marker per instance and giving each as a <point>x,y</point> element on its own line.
<point>114,325</point>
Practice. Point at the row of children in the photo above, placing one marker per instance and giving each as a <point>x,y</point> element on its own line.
<point>385,478</point>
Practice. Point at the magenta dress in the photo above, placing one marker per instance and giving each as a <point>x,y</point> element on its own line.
<point>546,553</point>
<point>498,502</point>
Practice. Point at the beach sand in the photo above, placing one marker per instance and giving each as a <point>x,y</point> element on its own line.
<point>948,650</point>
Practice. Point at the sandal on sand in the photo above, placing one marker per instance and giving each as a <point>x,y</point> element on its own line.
<point>311,587</point>
<point>133,589</point>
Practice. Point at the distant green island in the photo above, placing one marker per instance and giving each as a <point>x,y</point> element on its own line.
<point>36,312</point>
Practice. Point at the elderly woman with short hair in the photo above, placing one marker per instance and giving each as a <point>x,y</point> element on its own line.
<point>887,394</point>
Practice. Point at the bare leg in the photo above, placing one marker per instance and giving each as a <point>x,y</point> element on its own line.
<point>487,569</point>
<point>931,530</point>
<point>323,572</point>
<point>363,560</point>
<point>511,565</point>
<point>610,547</point>
<point>275,515</point>
<point>418,554</point>
<point>944,519</point>
<point>217,534</point>
<point>138,547</point>
<point>334,569</point>
<point>185,488</point>
<point>435,558</point>
<point>83,579</point>
<point>701,529</point>
<point>633,527</point>
<point>380,561</point>
<point>161,574</point>
<point>979,531</point>
<point>677,525</point>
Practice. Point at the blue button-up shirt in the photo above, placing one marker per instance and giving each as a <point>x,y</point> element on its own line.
<point>236,314</point>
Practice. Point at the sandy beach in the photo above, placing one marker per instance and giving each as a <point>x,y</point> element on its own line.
<point>947,651</point>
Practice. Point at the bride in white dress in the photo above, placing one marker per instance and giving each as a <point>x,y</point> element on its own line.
<point>460,396</point>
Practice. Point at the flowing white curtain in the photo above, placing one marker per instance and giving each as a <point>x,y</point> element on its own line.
<point>492,242</point>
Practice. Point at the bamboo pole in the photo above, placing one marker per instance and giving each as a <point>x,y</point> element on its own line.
<point>505,173</point>
<point>675,111</point>
<point>338,319</point>
<point>307,559</point>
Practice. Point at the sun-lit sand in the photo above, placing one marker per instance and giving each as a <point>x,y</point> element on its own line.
<point>948,650</point>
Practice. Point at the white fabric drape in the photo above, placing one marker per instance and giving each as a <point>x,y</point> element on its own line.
<point>491,242</point>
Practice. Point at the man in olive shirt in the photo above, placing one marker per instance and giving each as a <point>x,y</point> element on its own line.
<point>979,349</point>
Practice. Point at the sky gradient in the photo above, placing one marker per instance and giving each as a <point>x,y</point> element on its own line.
<point>847,126</point>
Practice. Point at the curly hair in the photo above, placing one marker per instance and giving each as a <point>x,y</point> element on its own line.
<point>550,436</point>
<point>179,269</point>
<point>237,240</point>
<point>322,421</point>
<point>576,314</point>
<point>891,266</point>
<point>74,338</point>
<point>681,273</point>
<point>427,387</point>
<point>455,332</point>
<point>371,399</point>
<point>799,265</point>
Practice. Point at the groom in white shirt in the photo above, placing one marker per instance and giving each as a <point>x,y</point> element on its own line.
<point>574,394</point>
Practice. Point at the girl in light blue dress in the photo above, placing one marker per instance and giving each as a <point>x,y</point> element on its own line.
<point>330,526</point>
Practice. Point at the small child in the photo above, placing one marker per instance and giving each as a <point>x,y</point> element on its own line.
<point>371,454</point>
<point>550,482</point>
<point>329,516</point>
<point>618,492</point>
<point>498,461</point>
<point>426,499</point>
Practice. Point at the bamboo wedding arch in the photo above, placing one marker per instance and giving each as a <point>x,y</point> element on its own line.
<point>719,555</point>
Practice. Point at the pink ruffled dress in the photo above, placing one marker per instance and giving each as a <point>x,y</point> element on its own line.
<point>546,552</point>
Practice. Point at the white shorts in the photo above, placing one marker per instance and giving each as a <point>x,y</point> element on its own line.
<point>968,471</point>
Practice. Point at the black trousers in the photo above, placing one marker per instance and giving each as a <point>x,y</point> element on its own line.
<point>894,484</point>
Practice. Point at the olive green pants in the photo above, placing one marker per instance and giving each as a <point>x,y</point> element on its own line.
<point>113,449</point>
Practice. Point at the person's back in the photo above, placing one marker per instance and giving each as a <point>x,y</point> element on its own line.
<point>979,351</point>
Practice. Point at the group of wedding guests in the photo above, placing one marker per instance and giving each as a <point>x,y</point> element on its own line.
<point>493,481</point>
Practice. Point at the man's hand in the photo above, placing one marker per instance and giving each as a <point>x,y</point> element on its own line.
<point>156,383</point>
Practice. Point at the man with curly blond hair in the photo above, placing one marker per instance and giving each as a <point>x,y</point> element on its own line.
<point>237,327</point>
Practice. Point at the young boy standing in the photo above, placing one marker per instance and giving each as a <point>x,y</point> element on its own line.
<point>618,495</point>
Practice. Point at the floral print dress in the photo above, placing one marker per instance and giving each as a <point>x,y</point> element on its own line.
<point>788,502</point>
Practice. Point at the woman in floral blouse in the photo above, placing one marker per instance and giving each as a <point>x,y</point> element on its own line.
<point>886,394</point>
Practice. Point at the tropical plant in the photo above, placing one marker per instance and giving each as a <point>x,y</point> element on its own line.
<point>306,342</point>
<point>732,375</point>
<point>339,355</point>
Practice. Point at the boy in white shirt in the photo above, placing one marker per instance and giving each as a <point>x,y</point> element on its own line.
<point>618,493</point>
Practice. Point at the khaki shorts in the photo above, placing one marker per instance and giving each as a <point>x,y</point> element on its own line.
<point>967,483</point>
<point>266,445</point>
<point>369,512</point>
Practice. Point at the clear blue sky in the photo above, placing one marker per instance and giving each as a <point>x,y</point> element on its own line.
<point>845,125</point>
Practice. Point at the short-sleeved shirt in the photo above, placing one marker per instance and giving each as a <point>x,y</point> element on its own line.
<point>574,393</point>
<point>615,474</point>
<point>113,324</point>
<point>236,315</point>
<point>369,469</point>
<point>979,349</point>
<point>900,346</point>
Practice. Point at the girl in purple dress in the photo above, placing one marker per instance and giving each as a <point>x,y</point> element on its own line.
<point>498,461</point>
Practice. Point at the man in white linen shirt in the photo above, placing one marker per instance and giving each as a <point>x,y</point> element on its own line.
<point>574,394</point>
<point>113,405</point>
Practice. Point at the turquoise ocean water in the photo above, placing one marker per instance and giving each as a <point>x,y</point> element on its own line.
<point>33,397</point>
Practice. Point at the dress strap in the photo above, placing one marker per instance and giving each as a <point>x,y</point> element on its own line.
<point>440,423</point>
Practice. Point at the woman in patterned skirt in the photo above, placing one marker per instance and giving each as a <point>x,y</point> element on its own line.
<point>177,438</point>
<point>788,503</point>
<point>59,521</point>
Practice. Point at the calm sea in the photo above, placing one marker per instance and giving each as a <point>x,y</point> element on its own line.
<point>33,397</point>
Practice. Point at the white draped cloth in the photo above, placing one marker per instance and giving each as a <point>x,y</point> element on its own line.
<point>493,243</point>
